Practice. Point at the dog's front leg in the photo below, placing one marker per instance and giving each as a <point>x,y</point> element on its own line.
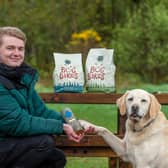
<point>113,141</point>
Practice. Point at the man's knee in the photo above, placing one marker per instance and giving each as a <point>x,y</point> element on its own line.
<point>55,155</point>
<point>47,141</point>
<point>60,158</point>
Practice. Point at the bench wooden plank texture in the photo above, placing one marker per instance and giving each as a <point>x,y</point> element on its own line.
<point>92,145</point>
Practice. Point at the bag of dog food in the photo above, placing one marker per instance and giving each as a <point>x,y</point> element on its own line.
<point>100,70</point>
<point>68,73</point>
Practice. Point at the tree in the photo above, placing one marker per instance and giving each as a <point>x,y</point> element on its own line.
<point>142,43</point>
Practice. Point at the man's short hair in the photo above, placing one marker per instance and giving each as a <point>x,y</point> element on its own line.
<point>12,31</point>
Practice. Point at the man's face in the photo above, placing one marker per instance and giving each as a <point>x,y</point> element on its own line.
<point>12,51</point>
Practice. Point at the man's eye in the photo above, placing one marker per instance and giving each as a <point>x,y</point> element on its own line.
<point>21,49</point>
<point>10,48</point>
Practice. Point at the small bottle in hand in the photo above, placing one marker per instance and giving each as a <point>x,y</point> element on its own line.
<point>69,118</point>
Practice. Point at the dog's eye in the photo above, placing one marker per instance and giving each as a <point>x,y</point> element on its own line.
<point>144,100</point>
<point>130,99</point>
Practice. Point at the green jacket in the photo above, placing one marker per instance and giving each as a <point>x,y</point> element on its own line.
<point>23,113</point>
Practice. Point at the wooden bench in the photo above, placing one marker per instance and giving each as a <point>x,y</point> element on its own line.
<point>92,145</point>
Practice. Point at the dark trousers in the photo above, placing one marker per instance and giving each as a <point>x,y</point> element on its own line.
<point>30,152</point>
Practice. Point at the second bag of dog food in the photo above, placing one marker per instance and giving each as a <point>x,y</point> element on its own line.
<point>100,70</point>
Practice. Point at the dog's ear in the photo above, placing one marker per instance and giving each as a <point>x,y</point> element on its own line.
<point>155,106</point>
<point>121,103</point>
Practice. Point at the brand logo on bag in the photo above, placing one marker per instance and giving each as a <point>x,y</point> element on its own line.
<point>96,72</point>
<point>68,71</point>
<point>100,58</point>
<point>67,61</point>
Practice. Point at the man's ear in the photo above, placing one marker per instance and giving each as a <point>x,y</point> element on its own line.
<point>155,106</point>
<point>121,103</point>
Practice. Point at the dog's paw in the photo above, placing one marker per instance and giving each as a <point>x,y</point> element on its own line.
<point>97,129</point>
<point>85,124</point>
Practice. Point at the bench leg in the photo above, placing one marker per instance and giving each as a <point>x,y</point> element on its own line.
<point>118,163</point>
<point>124,164</point>
<point>113,162</point>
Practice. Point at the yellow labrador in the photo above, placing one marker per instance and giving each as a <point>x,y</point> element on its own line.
<point>145,143</point>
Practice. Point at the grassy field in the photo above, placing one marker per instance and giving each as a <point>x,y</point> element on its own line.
<point>104,115</point>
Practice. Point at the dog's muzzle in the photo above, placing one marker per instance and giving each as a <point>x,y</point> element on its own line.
<point>135,113</point>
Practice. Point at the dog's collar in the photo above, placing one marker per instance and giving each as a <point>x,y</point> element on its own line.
<point>146,125</point>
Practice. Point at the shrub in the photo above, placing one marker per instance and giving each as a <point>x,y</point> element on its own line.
<point>83,41</point>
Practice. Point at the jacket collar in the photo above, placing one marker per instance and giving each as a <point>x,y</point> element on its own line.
<point>16,75</point>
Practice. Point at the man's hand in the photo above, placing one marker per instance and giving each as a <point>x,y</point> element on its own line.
<point>71,133</point>
<point>88,127</point>
<point>90,130</point>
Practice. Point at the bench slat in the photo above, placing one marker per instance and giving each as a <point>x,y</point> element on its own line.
<point>90,98</point>
<point>88,152</point>
<point>80,98</point>
<point>88,140</point>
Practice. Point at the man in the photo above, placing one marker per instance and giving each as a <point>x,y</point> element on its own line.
<point>26,124</point>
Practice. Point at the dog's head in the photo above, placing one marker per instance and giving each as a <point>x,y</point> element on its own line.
<point>137,103</point>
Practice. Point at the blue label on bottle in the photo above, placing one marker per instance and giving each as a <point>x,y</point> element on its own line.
<point>68,114</point>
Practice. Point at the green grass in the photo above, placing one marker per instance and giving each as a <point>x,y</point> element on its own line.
<point>104,115</point>
<point>87,162</point>
<point>162,88</point>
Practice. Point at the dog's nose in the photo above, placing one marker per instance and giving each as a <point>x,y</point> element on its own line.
<point>135,108</point>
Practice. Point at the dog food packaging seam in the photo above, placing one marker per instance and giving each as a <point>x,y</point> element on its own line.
<point>68,74</point>
<point>100,70</point>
